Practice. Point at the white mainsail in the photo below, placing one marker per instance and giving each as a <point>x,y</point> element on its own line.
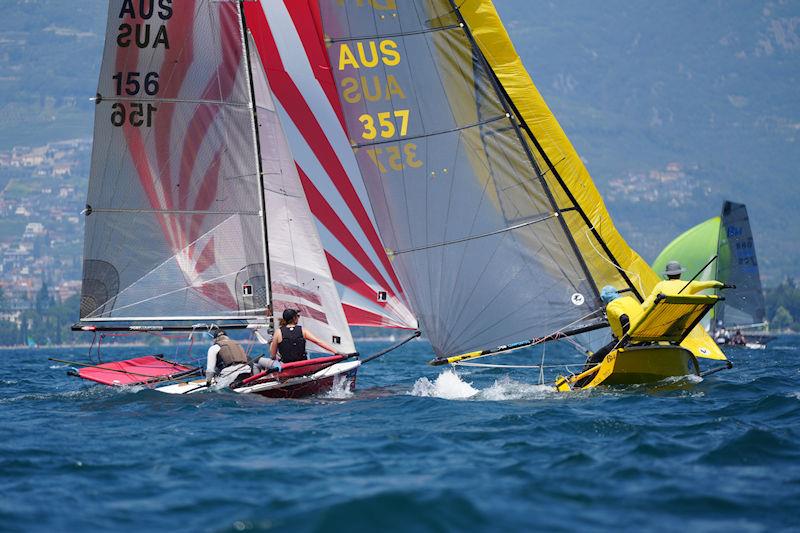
<point>182,178</point>
<point>174,219</point>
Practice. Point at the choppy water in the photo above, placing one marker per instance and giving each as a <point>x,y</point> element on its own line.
<point>415,449</point>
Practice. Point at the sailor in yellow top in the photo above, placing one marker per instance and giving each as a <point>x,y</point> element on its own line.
<point>675,285</point>
<point>622,312</point>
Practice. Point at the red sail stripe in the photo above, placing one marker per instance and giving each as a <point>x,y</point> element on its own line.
<point>219,292</point>
<point>207,257</point>
<point>205,197</point>
<point>325,213</point>
<point>293,101</point>
<point>173,72</point>
<point>316,314</point>
<point>346,277</point>
<point>299,292</point>
<point>361,317</point>
<point>308,23</point>
<point>219,87</point>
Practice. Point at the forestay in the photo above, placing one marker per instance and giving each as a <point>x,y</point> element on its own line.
<point>475,233</point>
<point>174,226</point>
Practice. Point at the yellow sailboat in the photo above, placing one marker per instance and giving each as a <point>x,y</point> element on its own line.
<point>497,233</point>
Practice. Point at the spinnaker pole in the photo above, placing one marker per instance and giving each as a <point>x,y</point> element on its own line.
<point>505,348</point>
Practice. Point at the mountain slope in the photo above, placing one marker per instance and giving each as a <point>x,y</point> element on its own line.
<point>674,106</point>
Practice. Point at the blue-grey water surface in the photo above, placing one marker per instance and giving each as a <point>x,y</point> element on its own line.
<point>416,448</point>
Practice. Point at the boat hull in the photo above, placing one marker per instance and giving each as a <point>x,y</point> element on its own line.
<point>635,365</point>
<point>340,377</point>
<point>321,378</point>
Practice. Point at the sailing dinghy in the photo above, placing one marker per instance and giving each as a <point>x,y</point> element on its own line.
<point>196,217</point>
<point>497,233</point>
<point>729,238</point>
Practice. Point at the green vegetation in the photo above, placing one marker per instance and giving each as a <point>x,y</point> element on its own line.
<point>783,306</point>
<point>47,323</point>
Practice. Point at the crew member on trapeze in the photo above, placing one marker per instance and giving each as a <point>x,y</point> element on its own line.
<point>224,352</point>
<point>289,341</point>
<point>622,312</point>
<point>674,284</point>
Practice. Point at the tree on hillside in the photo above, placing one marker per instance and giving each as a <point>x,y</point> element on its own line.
<point>43,299</point>
<point>782,319</point>
<point>783,305</point>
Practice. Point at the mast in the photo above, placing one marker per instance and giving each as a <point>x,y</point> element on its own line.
<point>259,165</point>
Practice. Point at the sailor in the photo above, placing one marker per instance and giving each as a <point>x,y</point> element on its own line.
<point>622,312</point>
<point>721,334</point>
<point>224,352</point>
<point>674,284</point>
<point>739,339</point>
<point>290,339</point>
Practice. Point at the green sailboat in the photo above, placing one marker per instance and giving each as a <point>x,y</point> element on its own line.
<point>729,237</point>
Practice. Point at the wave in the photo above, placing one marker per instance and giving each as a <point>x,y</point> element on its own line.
<point>447,385</point>
<point>450,386</point>
<point>341,390</point>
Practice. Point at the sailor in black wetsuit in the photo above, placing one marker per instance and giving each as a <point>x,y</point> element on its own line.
<point>290,340</point>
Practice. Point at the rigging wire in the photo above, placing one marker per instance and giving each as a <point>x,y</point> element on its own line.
<point>616,266</point>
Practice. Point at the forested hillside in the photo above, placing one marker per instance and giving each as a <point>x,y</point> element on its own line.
<point>675,106</point>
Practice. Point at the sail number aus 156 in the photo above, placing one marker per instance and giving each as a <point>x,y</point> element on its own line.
<point>134,83</point>
<point>138,114</point>
<point>386,124</point>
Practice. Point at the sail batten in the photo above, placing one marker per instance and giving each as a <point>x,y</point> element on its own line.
<point>503,117</point>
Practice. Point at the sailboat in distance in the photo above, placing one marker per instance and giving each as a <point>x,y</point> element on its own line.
<point>196,215</point>
<point>492,223</point>
<point>730,239</point>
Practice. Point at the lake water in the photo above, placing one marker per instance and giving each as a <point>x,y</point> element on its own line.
<point>416,448</point>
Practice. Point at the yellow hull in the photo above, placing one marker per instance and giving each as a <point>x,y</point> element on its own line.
<point>635,365</point>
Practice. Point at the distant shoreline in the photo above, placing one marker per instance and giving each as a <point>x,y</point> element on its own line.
<point>86,345</point>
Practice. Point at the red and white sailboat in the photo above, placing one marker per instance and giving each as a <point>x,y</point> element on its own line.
<point>223,190</point>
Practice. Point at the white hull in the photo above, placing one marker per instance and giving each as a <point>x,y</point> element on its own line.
<point>230,374</point>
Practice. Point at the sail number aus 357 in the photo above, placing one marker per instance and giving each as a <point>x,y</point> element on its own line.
<point>398,159</point>
<point>386,124</point>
